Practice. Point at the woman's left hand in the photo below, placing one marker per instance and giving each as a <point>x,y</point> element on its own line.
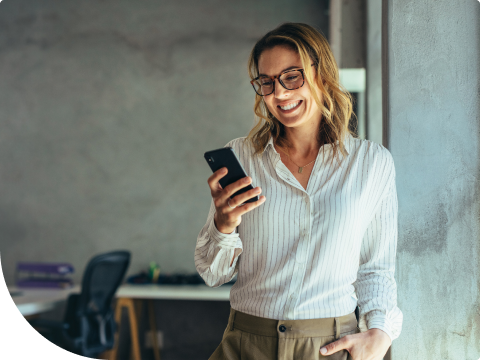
<point>369,345</point>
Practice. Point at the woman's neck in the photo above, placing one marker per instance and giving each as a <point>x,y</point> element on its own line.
<point>303,141</point>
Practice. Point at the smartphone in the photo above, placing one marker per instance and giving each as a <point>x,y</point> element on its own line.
<point>225,157</point>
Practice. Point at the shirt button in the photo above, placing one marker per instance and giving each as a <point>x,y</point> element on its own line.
<point>282,328</point>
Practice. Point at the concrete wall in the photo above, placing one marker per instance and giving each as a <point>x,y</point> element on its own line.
<point>347,32</point>
<point>353,43</point>
<point>106,109</point>
<point>434,136</point>
<point>374,71</point>
<point>348,41</point>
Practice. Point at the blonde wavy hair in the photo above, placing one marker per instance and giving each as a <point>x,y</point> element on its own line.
<point>336,108</point>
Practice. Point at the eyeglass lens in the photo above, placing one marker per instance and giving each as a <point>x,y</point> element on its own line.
<point>290,80</point>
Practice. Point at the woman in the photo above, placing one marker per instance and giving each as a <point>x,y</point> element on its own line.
<point>324,231</point>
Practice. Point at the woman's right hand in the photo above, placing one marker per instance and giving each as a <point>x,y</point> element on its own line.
<point>228,217</point>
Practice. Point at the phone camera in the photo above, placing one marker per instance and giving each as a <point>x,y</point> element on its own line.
<point>211,159</point>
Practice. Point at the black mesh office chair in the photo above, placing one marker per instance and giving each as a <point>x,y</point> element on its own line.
<point>88,327</point>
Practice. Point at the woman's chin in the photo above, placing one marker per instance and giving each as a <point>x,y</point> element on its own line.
<point>299,120</point>
<point>290,122</point>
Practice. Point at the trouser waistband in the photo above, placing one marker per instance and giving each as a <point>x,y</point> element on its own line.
<point>333,326</point>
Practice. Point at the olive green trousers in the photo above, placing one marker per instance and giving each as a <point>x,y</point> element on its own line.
<point>250,337</point>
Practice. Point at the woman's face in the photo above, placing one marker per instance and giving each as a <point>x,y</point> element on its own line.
<point>305,112</point>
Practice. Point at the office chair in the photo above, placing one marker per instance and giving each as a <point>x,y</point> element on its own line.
<point>88,327</point>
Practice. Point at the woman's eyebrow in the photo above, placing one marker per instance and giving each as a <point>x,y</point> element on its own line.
<point>289,68</point>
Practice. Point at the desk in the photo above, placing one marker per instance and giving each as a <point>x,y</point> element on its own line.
<point>31,301</point>
<point>174,292</point>
<point>130,297</point>
<point>35,301</point>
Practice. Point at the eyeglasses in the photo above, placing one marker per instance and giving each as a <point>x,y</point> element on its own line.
<point>290,80</point>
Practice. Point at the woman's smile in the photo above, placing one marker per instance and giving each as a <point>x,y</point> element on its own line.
<point>290,107</point>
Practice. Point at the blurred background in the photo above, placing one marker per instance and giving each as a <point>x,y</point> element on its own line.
<point>107,107</point>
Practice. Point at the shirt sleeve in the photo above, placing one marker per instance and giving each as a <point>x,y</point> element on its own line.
<point>375,286</point>
<point>214,252</point>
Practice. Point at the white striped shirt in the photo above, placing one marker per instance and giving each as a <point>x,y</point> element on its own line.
<point>310,253</point>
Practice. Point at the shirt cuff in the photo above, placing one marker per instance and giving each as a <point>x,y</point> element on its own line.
<point>376,319</point>
<point>224,240</point>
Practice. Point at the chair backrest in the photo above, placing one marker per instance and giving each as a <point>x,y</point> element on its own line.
<point>93,322</point>
<point>101,279</point>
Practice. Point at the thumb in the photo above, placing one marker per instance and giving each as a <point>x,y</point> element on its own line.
<point>333,347</point>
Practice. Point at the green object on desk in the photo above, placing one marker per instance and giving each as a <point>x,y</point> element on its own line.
<point>154,272</point>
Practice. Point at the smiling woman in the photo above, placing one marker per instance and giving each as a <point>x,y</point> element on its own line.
<point>323,234</point>
<point>307,50</point>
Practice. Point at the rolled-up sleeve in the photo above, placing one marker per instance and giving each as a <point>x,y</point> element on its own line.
<point>214,252</point>
<point>375,286</point>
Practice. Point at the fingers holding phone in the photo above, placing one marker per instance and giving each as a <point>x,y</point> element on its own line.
<point>231,189</point>
<point>213,181</point>
<point>229,210</point>
<point>242,198</point>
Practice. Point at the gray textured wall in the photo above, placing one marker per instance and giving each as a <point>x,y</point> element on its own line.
<point>374,71</point>
<point>106,109</point>
<point>434,62</point>
<point>353,34</point>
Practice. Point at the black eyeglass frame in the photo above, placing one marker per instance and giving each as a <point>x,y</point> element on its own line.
<point>280,81</point>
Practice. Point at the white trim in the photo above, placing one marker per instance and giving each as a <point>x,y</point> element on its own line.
<point>354,80</point>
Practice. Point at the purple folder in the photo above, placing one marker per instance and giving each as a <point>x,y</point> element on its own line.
<point>47,268</point>
<point>44,275</point>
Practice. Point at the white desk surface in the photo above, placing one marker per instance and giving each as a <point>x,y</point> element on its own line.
<point>33,301</point>
<point>174,292</point>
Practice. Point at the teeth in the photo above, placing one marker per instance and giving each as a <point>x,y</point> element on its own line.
<point>291,106</point>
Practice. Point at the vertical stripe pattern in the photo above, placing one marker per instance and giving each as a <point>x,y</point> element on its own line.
<point>311,253</point>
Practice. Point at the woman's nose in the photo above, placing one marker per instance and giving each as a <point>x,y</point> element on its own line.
<point>280,91</point>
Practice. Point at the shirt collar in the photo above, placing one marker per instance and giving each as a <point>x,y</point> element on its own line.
<point>269,144</point>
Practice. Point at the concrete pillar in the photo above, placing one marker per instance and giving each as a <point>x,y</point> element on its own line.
<point>374,71</point>
<point>433,108</point>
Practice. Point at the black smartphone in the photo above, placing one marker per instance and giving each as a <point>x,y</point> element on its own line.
<point>225,157</point>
